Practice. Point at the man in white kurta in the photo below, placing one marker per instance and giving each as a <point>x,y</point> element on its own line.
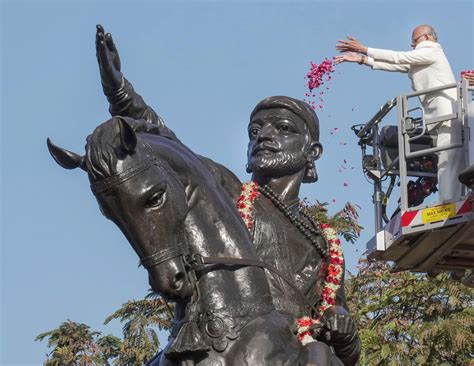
<point>427,67</point>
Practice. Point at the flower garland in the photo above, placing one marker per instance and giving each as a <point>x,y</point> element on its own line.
<point>332,282</point>
<point>245,202</point>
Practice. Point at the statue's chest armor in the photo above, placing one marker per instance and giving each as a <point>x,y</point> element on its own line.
<point>279,243</point>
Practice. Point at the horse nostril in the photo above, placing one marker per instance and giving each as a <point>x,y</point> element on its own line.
<point>178,282</point>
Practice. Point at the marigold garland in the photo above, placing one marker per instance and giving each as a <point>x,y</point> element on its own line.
<point>335,270</point>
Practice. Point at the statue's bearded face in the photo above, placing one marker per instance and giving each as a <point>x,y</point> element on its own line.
<point>279,143</point>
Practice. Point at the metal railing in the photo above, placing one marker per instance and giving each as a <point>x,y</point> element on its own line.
<point>405,127</point>
<point>404,139</point>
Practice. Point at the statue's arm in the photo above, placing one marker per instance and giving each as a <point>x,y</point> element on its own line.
<point>123,100</point>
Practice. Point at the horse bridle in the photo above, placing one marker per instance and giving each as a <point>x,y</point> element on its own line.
<point>107,183</point>
<point>165,255</point>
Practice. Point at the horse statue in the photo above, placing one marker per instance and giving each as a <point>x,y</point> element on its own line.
<point>189,236</point>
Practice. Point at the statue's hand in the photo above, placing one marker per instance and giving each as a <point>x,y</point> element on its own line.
<point>109,60</point>
<point>341,326</point>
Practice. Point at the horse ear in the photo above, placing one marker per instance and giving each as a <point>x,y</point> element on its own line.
<point>65,158</point>
<point>128,137</point>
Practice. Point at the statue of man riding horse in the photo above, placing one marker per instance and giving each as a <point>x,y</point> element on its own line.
<point>239,285</point>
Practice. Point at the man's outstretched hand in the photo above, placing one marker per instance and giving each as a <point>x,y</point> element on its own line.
<point>108,59</point>
<point>349,57</point>
<point>351,45</point>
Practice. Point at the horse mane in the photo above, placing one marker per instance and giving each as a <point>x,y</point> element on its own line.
<point>103,149</point>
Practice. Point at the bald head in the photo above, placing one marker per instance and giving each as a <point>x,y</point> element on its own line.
<point>422,33</point>
<point>425,29</point>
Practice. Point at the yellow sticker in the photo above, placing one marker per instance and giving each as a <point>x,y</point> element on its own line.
<point>438,213</point>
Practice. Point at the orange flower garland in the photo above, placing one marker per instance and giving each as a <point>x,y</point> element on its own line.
<point>335,269</point>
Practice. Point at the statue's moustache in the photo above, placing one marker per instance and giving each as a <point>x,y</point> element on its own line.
<point>265,146</point>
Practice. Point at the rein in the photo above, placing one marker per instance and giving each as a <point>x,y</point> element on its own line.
<point>197,262</point>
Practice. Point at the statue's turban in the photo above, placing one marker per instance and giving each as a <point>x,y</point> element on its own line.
<point>298,107</point>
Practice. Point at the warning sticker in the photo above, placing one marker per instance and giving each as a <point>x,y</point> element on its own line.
<point>438,213</point>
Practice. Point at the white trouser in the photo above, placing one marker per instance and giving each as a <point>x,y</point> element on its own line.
<point>450,162</point>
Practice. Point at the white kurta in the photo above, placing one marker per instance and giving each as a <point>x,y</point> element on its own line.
<point>428,67</point>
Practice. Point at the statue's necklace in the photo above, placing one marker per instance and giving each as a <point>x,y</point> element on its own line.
<point>309,231</point>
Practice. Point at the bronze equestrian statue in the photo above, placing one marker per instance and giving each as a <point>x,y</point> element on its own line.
<point>191,239</point>
<point>283,146</point>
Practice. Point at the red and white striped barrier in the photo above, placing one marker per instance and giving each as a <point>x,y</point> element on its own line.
<point>438,213</point>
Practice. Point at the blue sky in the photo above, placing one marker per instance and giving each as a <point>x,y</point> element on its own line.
<point>202,65</point>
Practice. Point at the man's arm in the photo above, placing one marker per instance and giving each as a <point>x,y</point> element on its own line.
<point>369,61</point>
<point>356,51</point>
<point>421,56</point>
<point>123,99</point>
<point>385,66</point>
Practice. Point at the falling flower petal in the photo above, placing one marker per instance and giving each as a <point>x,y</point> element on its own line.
<point>315,77</point>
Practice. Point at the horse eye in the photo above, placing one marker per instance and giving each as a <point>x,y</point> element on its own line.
<point>156,200</point>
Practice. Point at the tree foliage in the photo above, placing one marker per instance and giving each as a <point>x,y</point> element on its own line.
<point>75,344</point>
<point>140,318</point>
<point>345,221</point>
<point>411,319</point>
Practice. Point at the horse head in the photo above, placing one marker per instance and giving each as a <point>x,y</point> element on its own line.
<point>137,190</point>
